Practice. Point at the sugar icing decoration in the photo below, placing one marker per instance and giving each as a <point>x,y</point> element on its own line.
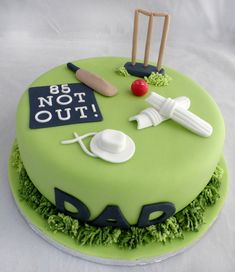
<point>122,71</point>
<point>139,87</point>
<point>151,117</point>
<point>175,109</point>
<point>169,108</point>
<point>144,69</point>
<point>92,80</point>
<point>110,145</point>
<point>82,212</point>
<point>79,139</point>
<point>155,79</point>
<point>190,219</point>
<point>111,215</point>
<point>65,104</point>
<point>158,80</point>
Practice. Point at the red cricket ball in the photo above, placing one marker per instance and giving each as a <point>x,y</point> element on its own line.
<point>139,87</point>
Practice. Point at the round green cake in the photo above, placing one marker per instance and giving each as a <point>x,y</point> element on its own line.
<point>171,164</point>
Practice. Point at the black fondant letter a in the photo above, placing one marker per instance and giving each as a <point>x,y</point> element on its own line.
<point>61,197</point>
<point>111,216</point>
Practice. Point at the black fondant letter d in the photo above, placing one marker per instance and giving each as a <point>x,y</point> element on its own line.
<point>61,197</point>
<point>167,209</point>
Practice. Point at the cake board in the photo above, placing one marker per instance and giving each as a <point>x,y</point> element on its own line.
<point>112,255</point>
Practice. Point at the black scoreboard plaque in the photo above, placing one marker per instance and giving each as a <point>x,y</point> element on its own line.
<point>65,104</point>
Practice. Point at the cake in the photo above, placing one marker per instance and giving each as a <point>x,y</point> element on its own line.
<point>100,178</point>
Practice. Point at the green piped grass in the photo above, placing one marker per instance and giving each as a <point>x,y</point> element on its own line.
<point>155,79</point>
<point>158,80</point>
<point>122,71</point>
<point>188,219</point>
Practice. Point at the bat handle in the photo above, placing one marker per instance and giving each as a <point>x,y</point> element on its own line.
<point>93,81</point>
<point>72,67</point>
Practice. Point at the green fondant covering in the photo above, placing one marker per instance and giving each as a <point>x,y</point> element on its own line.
<point>189,219</point>
<point>170,163</point>
<point>36,210</point>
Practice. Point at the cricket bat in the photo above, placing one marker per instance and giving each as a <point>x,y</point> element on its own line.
<point>93,81</point>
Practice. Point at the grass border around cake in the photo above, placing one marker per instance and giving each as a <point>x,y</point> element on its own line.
<point>190,219</point>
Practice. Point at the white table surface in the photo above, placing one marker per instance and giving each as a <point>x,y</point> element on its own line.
<point>38,35</point>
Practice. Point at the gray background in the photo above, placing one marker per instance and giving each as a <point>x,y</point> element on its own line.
<point>37,35</point>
